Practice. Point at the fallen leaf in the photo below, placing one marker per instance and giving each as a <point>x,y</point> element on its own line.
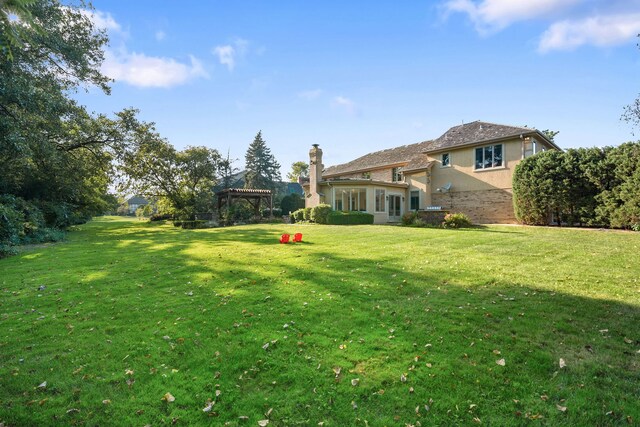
<point>496,352</point>
<point>411,390</point>
<point>403,378</point>
<point>128,372</point>
<point>263,423</point>
<point>266,346</point>
<point>627,340</point>
<point>501,362</point>
<point>268,413</point>
<point>544,397</point>
<point>106,402</point>
<point>168,397</point>
<point>337,370</point>
<point>209,406</point>
<point>561,408</point>
<point>562,363</point>
<point>218,393</point>
<point>355,381</point>
<point>43,385</point>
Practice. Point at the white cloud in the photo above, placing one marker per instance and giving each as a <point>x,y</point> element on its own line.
<point>596,30</point>
<point>494,15</point>
<point>345,103</point>
<point>160,35</point>
<point>102,20</point>
<point>226,56</point>
<point>310,94</point>
<point>230,53</point>
<point>147,71</point>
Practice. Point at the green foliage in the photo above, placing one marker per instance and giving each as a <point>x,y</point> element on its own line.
<point>298,169</point>
<point>191,224</point>
<point>240,212</point>
<point>409,218</point>
<point>297,216</point>
<point>262,171</point>
<point>456,220</point>
<point>307,214</point>
<point>22,222</point>
<point>320,213</point>
<point>290,203</point>
<point>349,218</point>
<point>596,186</point>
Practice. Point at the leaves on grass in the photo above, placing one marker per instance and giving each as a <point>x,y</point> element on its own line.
<point>209,406</point>
<point>168,397</point>
<point>501,362</point>
<point>562,363</point>
<point>106,402</point>
<point>561,408</point>
<point>355,381</point>
<point>263,423</point>
<point>43,385</point>
<point>403,378</point>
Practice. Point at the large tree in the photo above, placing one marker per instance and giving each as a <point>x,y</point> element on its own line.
<point>261,168</point>
<point>183,181</point>
<point>51,149</point>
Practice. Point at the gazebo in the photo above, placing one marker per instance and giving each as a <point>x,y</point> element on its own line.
<point>253,196</point>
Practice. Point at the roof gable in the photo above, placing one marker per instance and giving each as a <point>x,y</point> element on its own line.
<point>412,156</point>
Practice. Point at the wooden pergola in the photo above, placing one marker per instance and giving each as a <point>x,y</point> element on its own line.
<point>253,196</point>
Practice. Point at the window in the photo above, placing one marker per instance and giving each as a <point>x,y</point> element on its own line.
<point>350,199</point>
<point>488,157</point>
<point>446,160</point>
<point>531,147</point>
<point>380,199</point>
<point>415,200</point>
<point>396,175</point>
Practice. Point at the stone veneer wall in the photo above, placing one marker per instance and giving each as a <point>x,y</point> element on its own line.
<point>482,207</point>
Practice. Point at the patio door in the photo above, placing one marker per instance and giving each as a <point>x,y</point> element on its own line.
<point>395,207</point>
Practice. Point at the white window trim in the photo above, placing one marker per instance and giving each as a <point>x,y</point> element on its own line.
<point>384,199</point>
<point>492,168</point>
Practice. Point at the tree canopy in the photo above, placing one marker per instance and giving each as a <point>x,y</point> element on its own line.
<point>298,169</point>
<point>261,168</point>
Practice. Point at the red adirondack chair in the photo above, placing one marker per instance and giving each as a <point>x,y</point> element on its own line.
<point>284,238</point>
<point>297,237</point>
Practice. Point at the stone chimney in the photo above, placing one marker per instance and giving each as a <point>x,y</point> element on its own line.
<point>315,176</point>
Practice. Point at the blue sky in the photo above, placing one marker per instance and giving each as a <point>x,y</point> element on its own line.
<point>359,76</point>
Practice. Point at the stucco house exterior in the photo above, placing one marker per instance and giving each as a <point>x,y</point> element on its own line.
<point>467,169</point>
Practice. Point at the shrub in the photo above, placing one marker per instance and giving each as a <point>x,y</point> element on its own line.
<point>297,216</point>
<point>320,213</point>
<point>160,217</point>
<point>349,218</point>
<point>191,224</point>
<point>307,214</point>
<point>456,220</point>
<point>275,212</point>
<point>409,218</point>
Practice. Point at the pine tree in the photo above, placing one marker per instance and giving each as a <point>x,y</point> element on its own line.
<point>261,168</point>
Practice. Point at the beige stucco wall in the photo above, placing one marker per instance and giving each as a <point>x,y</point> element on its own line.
<point>420,181</point>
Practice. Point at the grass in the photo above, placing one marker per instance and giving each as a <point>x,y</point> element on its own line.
<point>124,312</point>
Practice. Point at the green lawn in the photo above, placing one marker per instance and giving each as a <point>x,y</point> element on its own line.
<point>365,325</point>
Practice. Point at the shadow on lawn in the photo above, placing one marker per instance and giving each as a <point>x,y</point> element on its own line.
<point>390,318</point>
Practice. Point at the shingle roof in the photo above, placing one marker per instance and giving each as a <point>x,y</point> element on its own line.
<point>475,132</point>
<point>137,200</point>
<point>413,155</point>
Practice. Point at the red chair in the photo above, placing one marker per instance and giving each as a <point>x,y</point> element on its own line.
<point>297,237</point>
<point>284,238</point>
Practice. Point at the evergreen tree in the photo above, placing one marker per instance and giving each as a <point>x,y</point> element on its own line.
<point>261,168</point>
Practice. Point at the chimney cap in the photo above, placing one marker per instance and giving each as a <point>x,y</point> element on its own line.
<point>315,145</point>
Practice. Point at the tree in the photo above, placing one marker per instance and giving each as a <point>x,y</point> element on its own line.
<point>227,170</point>
<point>14,32</point>
<point>631,113</point>
<point>261,168</point>
<point>550,134</point>
<point>298,169</point>
<point>183,181</point>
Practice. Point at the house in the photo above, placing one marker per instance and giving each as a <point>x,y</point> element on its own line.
<point>136,202</point>
<point>468,169</point>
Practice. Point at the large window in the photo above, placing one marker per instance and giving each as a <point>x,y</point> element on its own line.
<point>415,200</point>
<point>351,199</point>
<point>380,199</point>
<point>489,156</point>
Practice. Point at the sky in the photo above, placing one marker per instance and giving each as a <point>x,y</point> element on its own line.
<point>360,76</point>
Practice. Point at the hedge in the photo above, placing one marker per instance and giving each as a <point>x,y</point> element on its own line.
<point>191,224</point>
<point>349,218</point>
